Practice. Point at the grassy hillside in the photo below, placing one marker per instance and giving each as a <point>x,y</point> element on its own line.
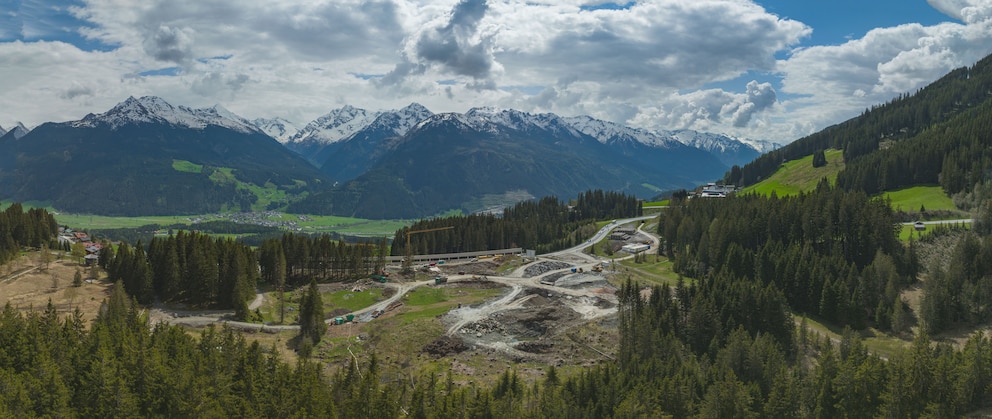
<point>799,175</point>
<point>932,198</point>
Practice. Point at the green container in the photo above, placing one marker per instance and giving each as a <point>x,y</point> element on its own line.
<point>350,317</point>
<point>339,320</point>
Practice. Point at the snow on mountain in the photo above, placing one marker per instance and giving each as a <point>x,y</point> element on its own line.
<point>719,142</point>
<point>19,131</point>
<point>607,132</point>
<point>335,126</point>
<point>761,145</point>
<point>401,121</point>
<point>521,121</point>
<point>280,129</point>
<point>152,109</point>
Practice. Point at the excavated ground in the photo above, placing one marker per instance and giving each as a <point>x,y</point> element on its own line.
<point>527,325</point>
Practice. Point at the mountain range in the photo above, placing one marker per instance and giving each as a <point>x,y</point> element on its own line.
<point>18,131</point>
<point>146,156</point>
<point>411,162</point>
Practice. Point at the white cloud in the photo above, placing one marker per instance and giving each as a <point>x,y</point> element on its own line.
<point>651,64</point>
<point>968,11</point>
<point>838,82</point>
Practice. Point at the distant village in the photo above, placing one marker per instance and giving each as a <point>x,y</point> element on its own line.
<point>70,238</point>
<point>264,218</point>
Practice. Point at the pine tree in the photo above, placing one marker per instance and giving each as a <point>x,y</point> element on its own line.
<point>819,159</point>
<point>312,325</point>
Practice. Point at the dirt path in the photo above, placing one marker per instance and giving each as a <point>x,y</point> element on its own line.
<point>474,314</point>
<point>257,302</point>
<point>16,275</point>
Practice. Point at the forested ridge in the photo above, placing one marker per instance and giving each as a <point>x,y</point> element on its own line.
<point>948,117</point>
<point>544,225</point>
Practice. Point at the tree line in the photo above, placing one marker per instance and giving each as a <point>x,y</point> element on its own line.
<point>35,228</point>
<point>296,259</point>
<point>222,273</point>
<point>187,267</point>
<point>545,225</point>
<point>832,253</point>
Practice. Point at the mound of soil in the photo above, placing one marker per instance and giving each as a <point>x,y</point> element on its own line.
<point>535,322</point>
<point>444,346</point>
<point>542,267</point>
<point>482,267</point>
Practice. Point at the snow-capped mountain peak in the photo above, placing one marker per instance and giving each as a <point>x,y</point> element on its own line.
<point>153,109</point>
<point>19,130</point>
<point>401,121</point>
<point>609,132</point>
<point>720,142</point>
<point>522,121</point>
<point>279,128</point>
<point>335,125</point>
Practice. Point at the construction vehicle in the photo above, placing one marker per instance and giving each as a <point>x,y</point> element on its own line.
<point>597,268</point>
<point>438,280</point>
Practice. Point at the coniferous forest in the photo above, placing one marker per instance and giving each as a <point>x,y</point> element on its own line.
<point>831,253</point>
<point>18,228</point>
<point>196,269</point>
<point>545,225</point>
<point>719,350</point>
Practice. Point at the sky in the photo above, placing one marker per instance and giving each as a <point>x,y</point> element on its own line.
<point>761,69</point>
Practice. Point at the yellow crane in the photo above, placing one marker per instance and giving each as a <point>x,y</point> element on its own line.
<point>412,232</point>
<point>409,251</point>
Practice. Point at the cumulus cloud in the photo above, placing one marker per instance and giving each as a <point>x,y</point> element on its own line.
<point>837,82</point>
<point>456,45</point>
<point>708,109</point>
<point>218,84</point>
<point>652,63</point>
<point>76,90</point>
<point>171,44</point>
<point>672,44</point>
<point>968,11</point>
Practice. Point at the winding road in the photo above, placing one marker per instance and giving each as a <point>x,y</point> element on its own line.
<point>516,281</point>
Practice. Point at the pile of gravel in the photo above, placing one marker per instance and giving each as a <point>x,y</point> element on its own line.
<point>542,267</point>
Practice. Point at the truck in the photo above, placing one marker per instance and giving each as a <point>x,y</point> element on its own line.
<point>380,278</point>
<point>438,280</point>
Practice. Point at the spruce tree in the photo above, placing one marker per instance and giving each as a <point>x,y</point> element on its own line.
<point>312,315</point>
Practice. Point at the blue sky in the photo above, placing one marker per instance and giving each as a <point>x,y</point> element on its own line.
<point>774,70</point>
<point>838,21</point>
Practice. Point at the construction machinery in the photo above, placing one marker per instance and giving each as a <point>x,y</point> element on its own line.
<point>409,250</point>
<point>426,230</point>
